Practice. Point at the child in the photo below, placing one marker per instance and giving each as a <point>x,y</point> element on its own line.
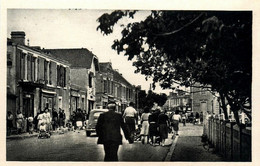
<point>30,125</point>
<point>43,133</point>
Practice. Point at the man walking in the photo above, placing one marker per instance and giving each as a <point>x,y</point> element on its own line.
<point>108,131</point>
<point>131,118</point>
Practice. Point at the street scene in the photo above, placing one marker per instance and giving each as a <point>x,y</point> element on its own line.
<point>74,146</point>
<point>128,85</point>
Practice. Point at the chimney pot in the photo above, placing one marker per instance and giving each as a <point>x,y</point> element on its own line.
<point>18,37</point>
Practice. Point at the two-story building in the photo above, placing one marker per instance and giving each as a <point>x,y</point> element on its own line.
<point>112,86</point>
<point>180,100</point>
<point>83,70</point>
<point>124,92</point>
<point>35,80</point>
<point>203,100</point>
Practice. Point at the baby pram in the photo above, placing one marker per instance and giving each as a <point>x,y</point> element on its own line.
<point>43,133</point>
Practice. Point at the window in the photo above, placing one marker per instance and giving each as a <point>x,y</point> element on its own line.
<point>29,67</point>
<point>83,103</point>
<point>64,76</point>
<point>46,71</point>
<point>38,69</point>
<point>9,60</point>
<point>58,75</point>
<point>22,66</point>
<point>50,72</point>
<point>25,66</point>
<point>61,76</point>
<point>60,102</point>
<point>108,86</point>
<point>112,87</point>
<point>33,68</point>
<point>105,86</point>
<point>90,77</point>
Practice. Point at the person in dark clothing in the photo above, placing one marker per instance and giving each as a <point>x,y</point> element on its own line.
<point>62,118</point>
<point>10,119</point>
<point>201,117</point>
<point>197,118</point>
<point>163,123</point>
<point>73,120</point>
<point>153,124</point>
<point>55,120</point>
<point>35,121</point>
<point>191,117</point>
<point>79,119</point>
<point>108,131</point>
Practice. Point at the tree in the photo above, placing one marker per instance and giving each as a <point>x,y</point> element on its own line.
<point>147,100</point>
<point>188,47</point>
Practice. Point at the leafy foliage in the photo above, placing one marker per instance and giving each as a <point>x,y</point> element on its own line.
<point>188,47</point>
<point>147,99</point>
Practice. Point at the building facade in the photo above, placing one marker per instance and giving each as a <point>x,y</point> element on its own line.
<point>35,80</point>
<point>84,68</point>
<point>179,100</point>
<point>112,86</point>
<point>203,100</point>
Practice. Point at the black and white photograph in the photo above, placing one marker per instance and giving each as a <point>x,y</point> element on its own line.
<point>129,85</point>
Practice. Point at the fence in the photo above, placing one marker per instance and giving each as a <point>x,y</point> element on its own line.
<point>230,140</point>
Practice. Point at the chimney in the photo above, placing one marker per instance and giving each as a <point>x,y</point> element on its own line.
<point>18,37</point>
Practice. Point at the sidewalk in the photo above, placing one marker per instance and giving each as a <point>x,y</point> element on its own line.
<point>188,145</point>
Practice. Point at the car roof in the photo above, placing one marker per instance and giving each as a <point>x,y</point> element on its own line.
<point>99,110</point>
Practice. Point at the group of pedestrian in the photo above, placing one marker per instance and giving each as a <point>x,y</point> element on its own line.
<point>44,121</point>
<point>155,126</point>
<point>78,119</point>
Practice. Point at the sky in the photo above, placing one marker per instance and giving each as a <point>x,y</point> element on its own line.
<point>65,28</point>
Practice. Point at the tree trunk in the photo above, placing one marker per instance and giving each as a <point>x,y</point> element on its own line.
<point>223,105</point>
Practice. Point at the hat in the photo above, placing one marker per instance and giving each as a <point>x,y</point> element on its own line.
<point>111,103</point>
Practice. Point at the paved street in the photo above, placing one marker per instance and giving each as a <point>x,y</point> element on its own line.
<point>73,146</point>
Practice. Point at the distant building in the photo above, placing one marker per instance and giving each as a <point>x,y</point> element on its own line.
<point>112,86</point>
<point>84,68</point>
<point>35,80</point>
<point>203,100</point>
<point>180,100</point>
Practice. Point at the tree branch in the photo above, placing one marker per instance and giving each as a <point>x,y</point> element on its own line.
<point>178,30</point>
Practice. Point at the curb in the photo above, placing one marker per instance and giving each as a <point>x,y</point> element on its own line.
<point>35,134</point>
<point>170,153</point>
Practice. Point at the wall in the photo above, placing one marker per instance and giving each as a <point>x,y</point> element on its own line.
<point>198,98</point>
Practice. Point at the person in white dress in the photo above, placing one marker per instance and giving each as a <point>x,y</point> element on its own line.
<point>176,118</point>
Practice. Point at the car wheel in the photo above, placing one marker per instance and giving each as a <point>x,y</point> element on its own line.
<point>88,133</point>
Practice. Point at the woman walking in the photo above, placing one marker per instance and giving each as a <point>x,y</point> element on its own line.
<point>153,119</point>
<point>175,122</point>
<point>145,125</point>
<point>163,122</point>
<point>40,119</point>
<point>47,119</point>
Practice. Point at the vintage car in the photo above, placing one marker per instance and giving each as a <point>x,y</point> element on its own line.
<point>92,121</point>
